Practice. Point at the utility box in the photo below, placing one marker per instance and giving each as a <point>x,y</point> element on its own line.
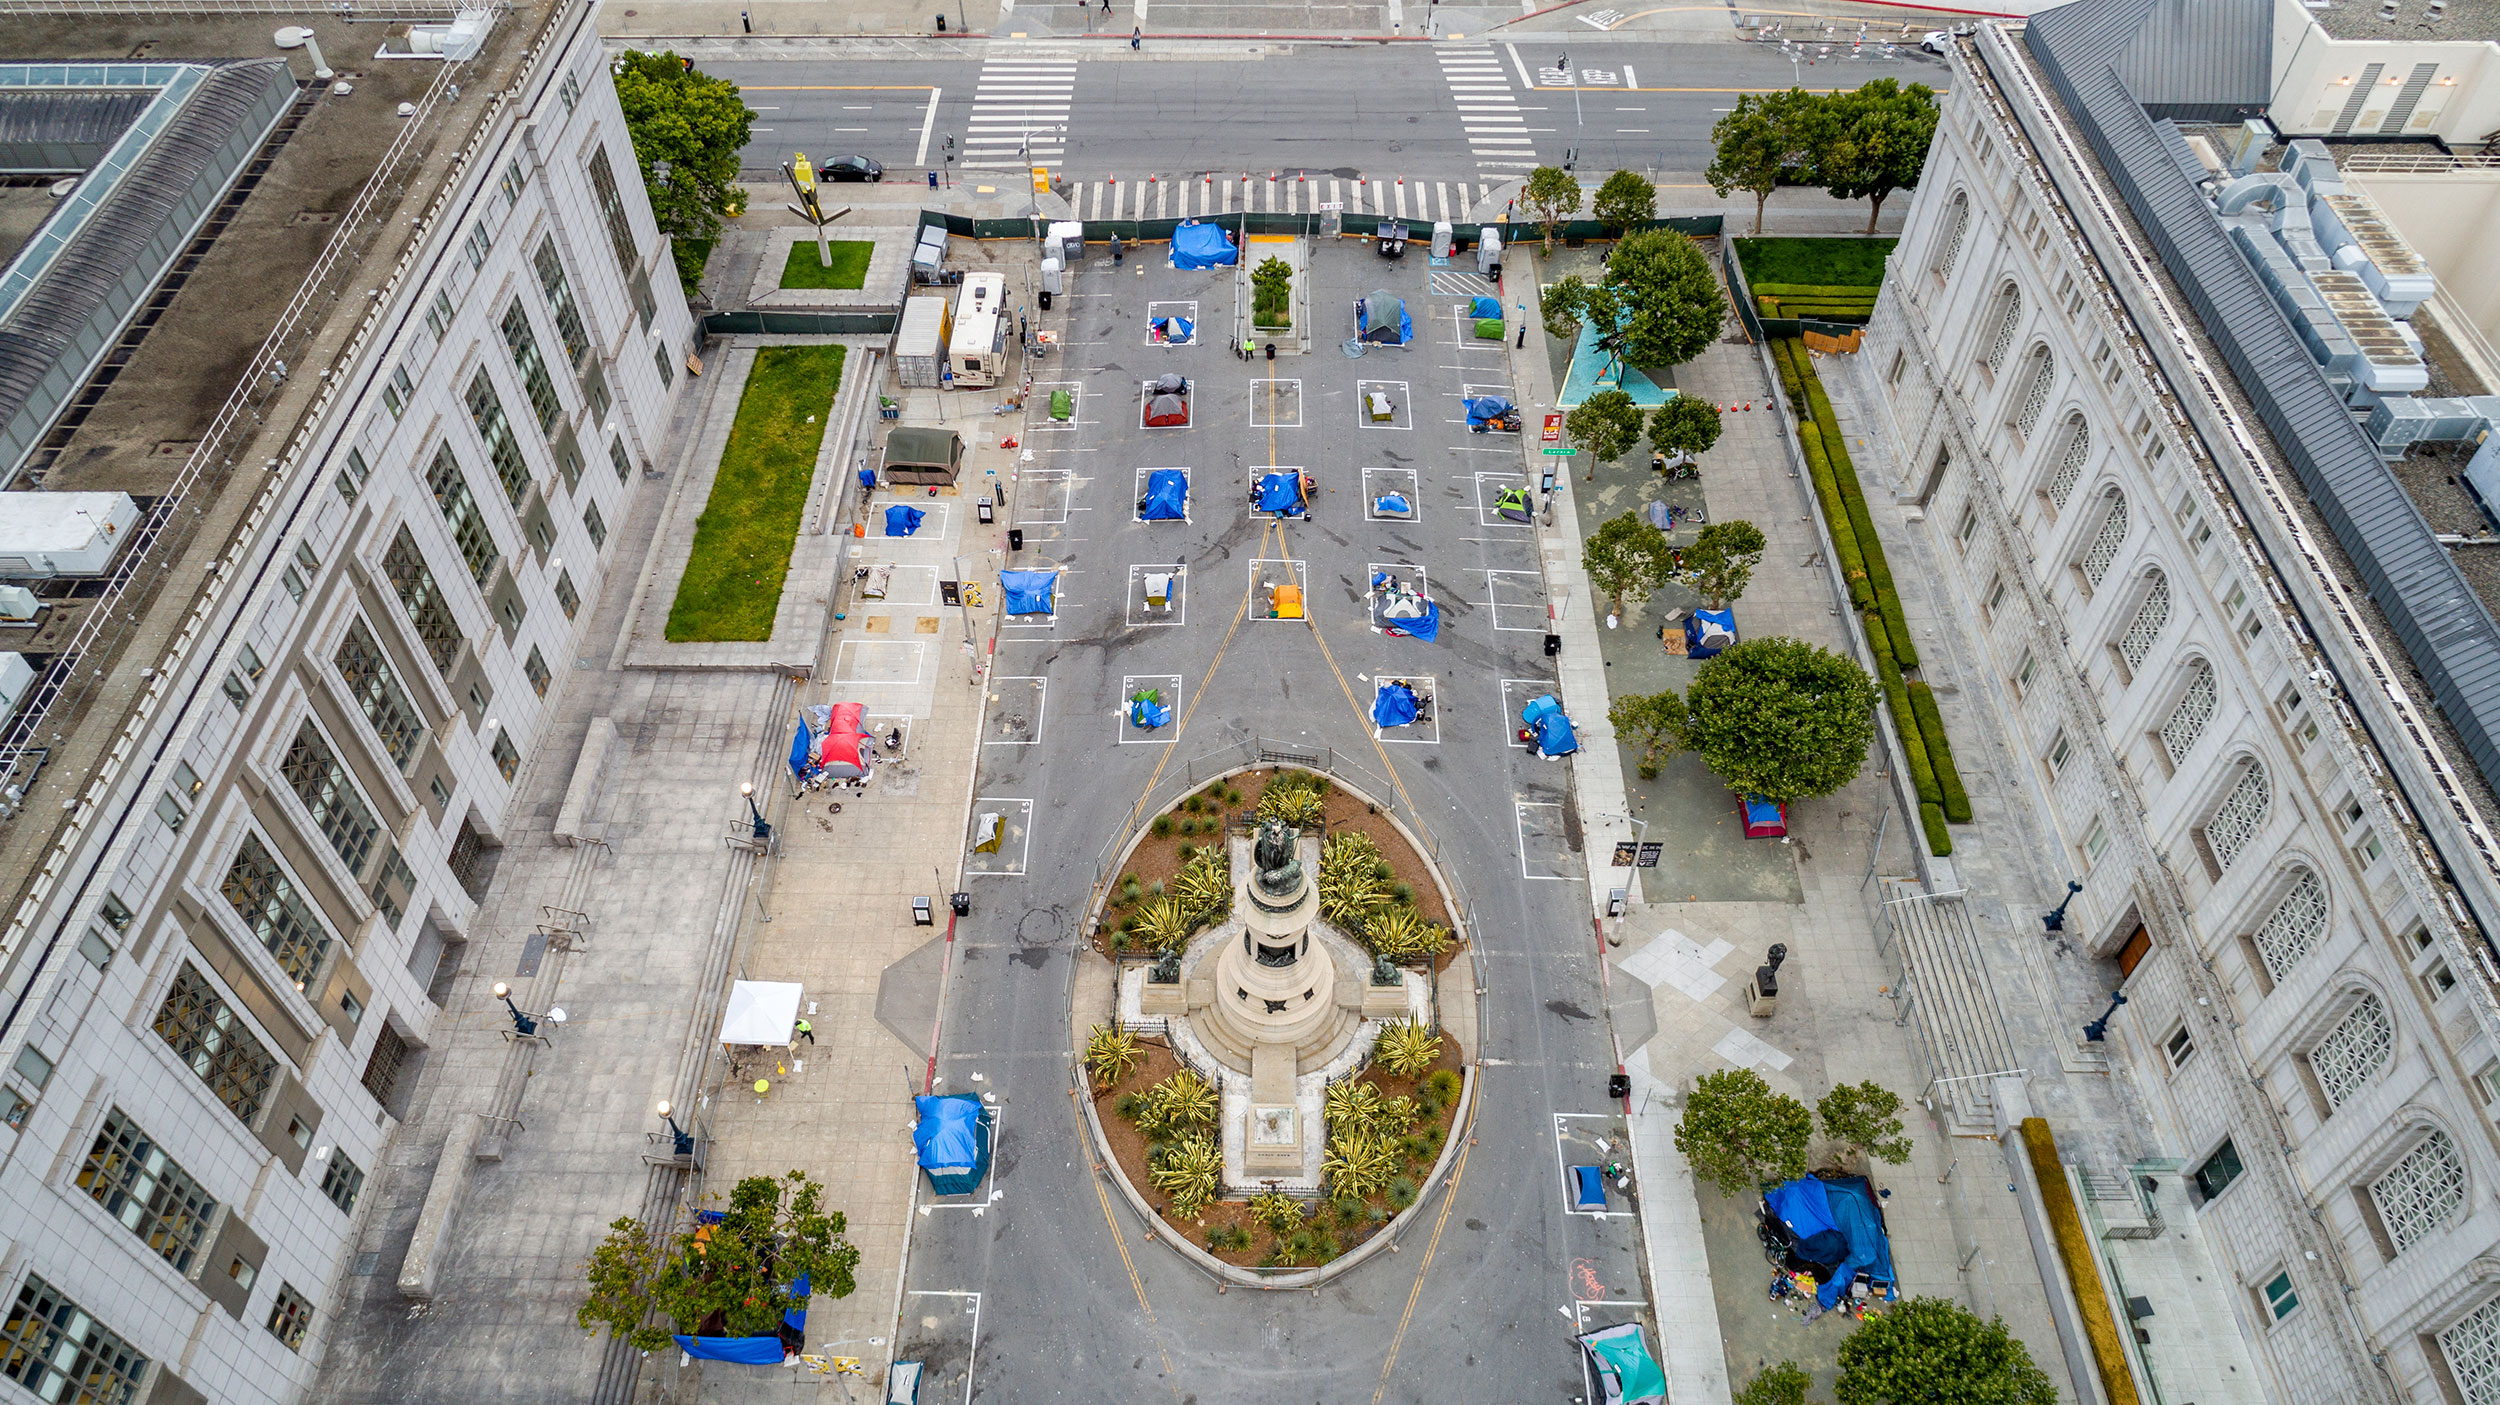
<point>1444,239</point>
<point>16,676</point>
<point>18,605</point>
<point>928,257</point>
<point>43,535</point>
<point>920,342</point>
<point>1489,253</point>
<point>1065,241</point>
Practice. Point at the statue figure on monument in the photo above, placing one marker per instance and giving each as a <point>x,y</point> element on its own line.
<point>1280,873</point>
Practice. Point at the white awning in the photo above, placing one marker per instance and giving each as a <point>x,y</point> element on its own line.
<point>761,1012</point>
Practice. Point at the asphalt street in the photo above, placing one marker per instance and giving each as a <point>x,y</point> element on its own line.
<point>1379,111</point>
<point>1055,1291</point>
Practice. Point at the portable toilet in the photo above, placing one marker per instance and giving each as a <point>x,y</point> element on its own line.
<point>1444,239</point>
<point>1489,253</point>
<point>1054,280</point>
<point>1066,240</point>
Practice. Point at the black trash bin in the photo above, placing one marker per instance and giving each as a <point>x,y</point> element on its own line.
<point>1015,539</point>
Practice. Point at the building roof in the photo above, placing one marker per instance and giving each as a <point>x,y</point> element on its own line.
<point>2408,20</point>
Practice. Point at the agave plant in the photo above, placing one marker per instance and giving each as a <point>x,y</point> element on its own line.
<point>1281,1213</point>
<point>1407,1048</point>
<point>1178,1106</point>
<point>1354,1107</point>
<point>1359,1164</point>
<point>1294,797</point>
<point>1348,849</point>
<point>1204,886</point>
<point>1396,1116</point>
<point>1402,933</point>
<point>1163,924</point>
<point>1188,1174</point>
<point>1110,1054</point>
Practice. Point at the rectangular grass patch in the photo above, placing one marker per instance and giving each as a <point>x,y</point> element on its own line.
<point>849,269</point>
<point>742,541</point>
<point>1824,263</point>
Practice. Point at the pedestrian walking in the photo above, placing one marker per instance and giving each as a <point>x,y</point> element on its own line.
<point>807,1031</point>
<point>1136,39</point>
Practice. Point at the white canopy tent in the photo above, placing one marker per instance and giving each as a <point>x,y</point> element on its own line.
<point>763,1013</point>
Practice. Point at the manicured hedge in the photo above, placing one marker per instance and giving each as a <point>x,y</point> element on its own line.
<point>1830,292</point>
<point>1956,801</point>
<point>1897,697</point>
<point>2083,1270</point>
<point>1939,839</point>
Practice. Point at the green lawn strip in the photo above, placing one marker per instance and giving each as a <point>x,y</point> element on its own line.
<point>1819,263</point>
<point>849,268</point>
<point>732,583</point>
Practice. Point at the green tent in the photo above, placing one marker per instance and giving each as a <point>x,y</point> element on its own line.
<point>1062,405</point>
<point>1621,1371</point>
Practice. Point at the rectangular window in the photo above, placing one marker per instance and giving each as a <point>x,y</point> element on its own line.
<point>351,479</point>
<point>2096,843</point>
<point>2287,702</point>
<point>595,390</point>
<point>569,92</point>
<point>2368,847</point>
<point>2215,1173</point>
<point>596,526</point>
<point>171,812</point>
<point>265,898</point>
<point>507,756</point>
<point>478,245</point>
<point>382,1067</point>
<point>2179,1047</point>
<point>644,308</point>
<point>1996,594</point>
<point>2023,675</point>
<point>208,1035</point>
<point>2281,1301</point>
<point>616,456</point>
<point>116,913</point>
<point>522,342</point>
<point>367,672</point>
<point>440,792</point>
<point>2060,752</point>
<point>2231,603</point>
<point>397,395</point>
<point>515,180</point>
<point>461,514</point>
<point>293,580</point>
<point>611,203</point>
<point>559,292</point>
<point>1969,524</point>
<point>668,372</point>
<point>438,315</point>
<point>33,1067</point>
<point>313,771</point>
<point>394,886</point>
<point>536,667</point>
<point>2487,1083</point>
<point>2438,980</point>
<point>57,1350</point>
<point>342,1180</point>
<point>568,458</point>
<point>97,950</point>
<point>138,1184</point>
<point>1900,363</point>
<point>14,1109</point>
<point>423,599</point>
<point>486,408</point>
<point>290,1317</point>
<point>566,595</point>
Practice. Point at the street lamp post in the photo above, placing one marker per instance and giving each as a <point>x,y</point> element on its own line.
<point>2055,919</point>
<point>762,827</point>
<point>1579,124</point>
<point>681,1141</point>
<point>523,1025</point>
<point>2098,1029</point>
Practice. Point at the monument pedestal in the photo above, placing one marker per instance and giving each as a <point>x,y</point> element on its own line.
<point>1274,1145</point>
<point>1275,985</point>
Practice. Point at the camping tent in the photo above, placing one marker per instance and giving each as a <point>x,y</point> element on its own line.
<point>1511,504</point>
<point>902,521</point>
<point>1167,496</point>
<point>1620,1369</point>
<point>1764,818</point>
<point>1381,318</point>
<point>1706,632</point>
<point>1404,610</point>
<point>1171,383</point>
<point>1196,245</point>
<point>1393,505</point>
<point>1167,411</point>
<point>846,755</point>
<point>1029,592</point>
<point>1837,1226</point>
<point>1146,709</point>
<point>1395,704</point>
<point>1543,718</point>
<point>953,1139</point>
<point>761,1013</point>
<point>1490,412</point>
<point>926,457</point>
<point>1281,493</point>
<point>1588,1188</point>
<point>1482,306</point>
<point>802,752</point>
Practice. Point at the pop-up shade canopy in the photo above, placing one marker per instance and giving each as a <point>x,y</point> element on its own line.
<point>761,1012</point>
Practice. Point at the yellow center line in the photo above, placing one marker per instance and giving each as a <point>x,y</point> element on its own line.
<point>1449,1199</point>
<point>1138,1285</point>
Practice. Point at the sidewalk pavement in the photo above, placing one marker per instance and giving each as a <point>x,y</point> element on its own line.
<point>1589,22</point>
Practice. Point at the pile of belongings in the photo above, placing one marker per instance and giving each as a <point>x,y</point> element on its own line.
<point>902,521</point>
<point>1404,610</point>
<point>1396,505</point>
<point>1397,703</point>
<point>1167,497</point>
<point>1280,493</point>
<point>1545,727</point>
<point>1196,245</point>
<point>1486,413</point>
<point>1146,709</point>
<point>1029,592</point>
<point>1488,315</point>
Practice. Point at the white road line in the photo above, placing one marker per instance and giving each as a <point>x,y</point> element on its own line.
<point>1628,80</point>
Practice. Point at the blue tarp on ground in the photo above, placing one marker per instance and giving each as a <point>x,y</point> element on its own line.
<point>1544,717</point>
<point>868,479</point>
<point>1483,410</point>
<point>1588,1188</point>
<point>953,1139</point>
<point>1706,632</point>
<point>902,521</point>
<point>1485,307</point>
<point>1402,610</point>
<point>1393,706</point>
<point>1196,245</point>
<point>802,752</point>
<point>1145,714</point>
<point>1382,318</point>
<point>1836,1223</point>
<point>1167,496</point>
<point>1388,504</point>
<point>1426,626</point>
<point>747,1351</point>
<point>1029,592</point>
<point>1281,492</point>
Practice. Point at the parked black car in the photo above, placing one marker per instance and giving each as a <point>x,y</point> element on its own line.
<point>851,168</point>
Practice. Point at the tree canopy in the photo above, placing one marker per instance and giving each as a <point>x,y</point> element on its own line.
<point>732,1281</point>
<point>697,125</point>
<point>1652,724</point>
<point>1866,1116</point>
<point>1550,197</point>
<point>1606,424</point>
<point>1626,199</point>
<point>1873,141</point>
<point>1765,139</point>
<point>1672,304</point>
<point>1930,1351</point>
<point>1738,1134</point>
<point>1781,718</point>
<point>1627,555</point>
<point>1722,559</point>
<point>1686,424</point>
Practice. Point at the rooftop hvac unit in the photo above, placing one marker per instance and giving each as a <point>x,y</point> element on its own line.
<point>43,535</point>
<point>16,677</point>
<point>18,604</point>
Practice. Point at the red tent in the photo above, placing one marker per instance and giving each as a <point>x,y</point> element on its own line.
<point>846,755</point>
<point>848,717</point>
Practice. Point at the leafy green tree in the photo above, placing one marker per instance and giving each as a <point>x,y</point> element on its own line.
<point>696,124</point>
<point>734,1280</point>
<point>1627,555</point>
<point>1781,718</point>
<point>1652,724</point>
<point>1866,1116</point>
<point>1873,141</point>
<point>1783,1384</point>
<point>1686,424</point>
<point>1672,306</point>
<point>1929,1351</point>
<point>1764,140</point>
<point>1738,1134</point>
<point>1722,559</point>
<point>1606,424</point>
<point>1550,197</point>
<point>1625,200</point>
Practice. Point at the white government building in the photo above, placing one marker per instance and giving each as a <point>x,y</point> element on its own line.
<point>243,815</point>
<point>2141,378</point>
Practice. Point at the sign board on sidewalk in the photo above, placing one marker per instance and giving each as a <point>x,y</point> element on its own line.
<point>1650,853</point>
<point>1553,436</point>
<point>1624,850</point>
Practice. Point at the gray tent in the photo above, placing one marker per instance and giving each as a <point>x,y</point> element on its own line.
<point>923,456</point>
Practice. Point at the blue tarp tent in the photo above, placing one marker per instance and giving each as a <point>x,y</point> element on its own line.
<point>1146,714</point>
<point>1167,496</point>
<point>1394,705</point>
<point>953,1139</point>
<point>1620,1369</point>
<point>1588,1188</point>
<point>1485,307</point>
<point>868,479</point>
<point>1764,818</point>
<point>1543,717</point>
<point>1706,632</point>
<point>747,1351</point>
<point>802,752</point>
<point>1196,245</point>
<point>1484,411</point>
<point>1381,318</point>
<point>1393,505</point>
<point>1281,493</point>
<point>1835,1223</point>
<point>1403,610</point>
<point>901,521</point>
<point>1029,592</point>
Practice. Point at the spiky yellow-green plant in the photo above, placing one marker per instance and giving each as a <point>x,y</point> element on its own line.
<point>1401,933</point>
<point>1110,1054</point>
<point>1407,1048</point>
<point>1357,1107</point>
<point>1348,849</point>
<point>1178,1106</point>
<point>1204,886</point>
<point>1188,1175</point>
<point>1295,797</point>
<point>1359,1165</point>
<point>1281,1213</point>
<point>1162,924</point>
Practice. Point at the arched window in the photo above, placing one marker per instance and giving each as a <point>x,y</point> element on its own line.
<point>2419,1193</point>
<point>2196,708</point>
<point>2473,1351</point>
<point>2137,642</point>
<point>2293,927</point>
<point>2103,551</point>
<point>1956,226</point>
<point>2036,395</point>
<point>2070,463</point>
<point>2237,820</point>
<point>2353,1051</point>
<point>2009,317</point>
